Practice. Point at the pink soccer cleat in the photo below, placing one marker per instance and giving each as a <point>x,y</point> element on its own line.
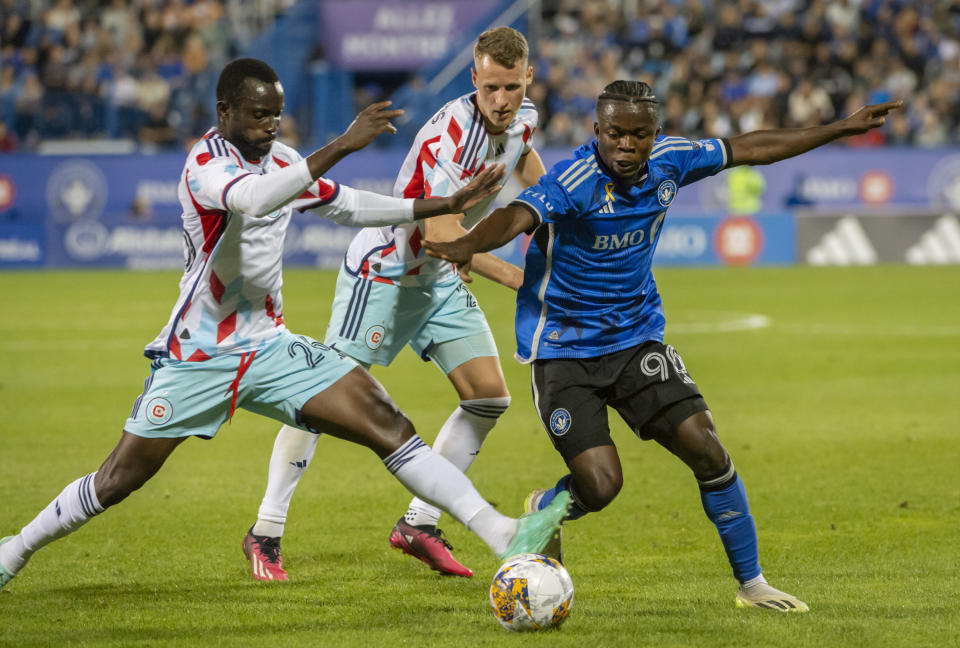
<point>427,545</point>
<point>263,552</point>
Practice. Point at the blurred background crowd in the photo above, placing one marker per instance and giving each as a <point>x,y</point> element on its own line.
<point>144,69</point>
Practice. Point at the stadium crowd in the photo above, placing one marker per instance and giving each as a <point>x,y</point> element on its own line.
<point>733,66</point>
<point>142,68</point>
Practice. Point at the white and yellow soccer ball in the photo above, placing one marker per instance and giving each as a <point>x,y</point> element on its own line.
<point>531,592</point>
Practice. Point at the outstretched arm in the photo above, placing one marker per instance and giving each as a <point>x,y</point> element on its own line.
<point>449,228</point>
<point>496,230</point>
<point>259,195</point>
<point>767,146</point>
<point>357,208</point>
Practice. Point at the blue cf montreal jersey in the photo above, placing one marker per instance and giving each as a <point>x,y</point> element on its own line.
<point>588,289</point>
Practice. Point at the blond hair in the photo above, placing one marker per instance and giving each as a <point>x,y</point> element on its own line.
<point>504,45</point>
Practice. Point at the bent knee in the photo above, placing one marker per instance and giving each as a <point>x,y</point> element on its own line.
<point>599,490</point>
<point>699,445</point>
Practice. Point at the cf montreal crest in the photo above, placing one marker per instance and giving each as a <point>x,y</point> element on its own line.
<point>560,421</point>
<point>666,192</point>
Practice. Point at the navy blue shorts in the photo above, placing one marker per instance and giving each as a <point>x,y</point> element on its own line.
<point>648,385</point>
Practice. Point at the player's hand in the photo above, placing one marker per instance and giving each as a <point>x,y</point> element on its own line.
<point>483,184</point>
<point>368,124</point>
<point>458,251</point>
<point>870,117</point>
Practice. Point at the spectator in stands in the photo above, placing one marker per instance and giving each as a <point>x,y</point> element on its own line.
<point>731,64</point>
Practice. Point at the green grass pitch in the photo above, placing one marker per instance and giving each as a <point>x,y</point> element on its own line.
<point>836,391</point>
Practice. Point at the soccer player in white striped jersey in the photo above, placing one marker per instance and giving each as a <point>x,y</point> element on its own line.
<point>390,294</point>
<point>225,344</point>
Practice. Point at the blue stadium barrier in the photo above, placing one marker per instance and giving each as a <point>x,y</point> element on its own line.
<point>123,210</point>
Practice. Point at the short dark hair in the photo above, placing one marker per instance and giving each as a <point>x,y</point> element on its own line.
<point>629,91</point>
<point>236,72</point>
<point>505,46</point>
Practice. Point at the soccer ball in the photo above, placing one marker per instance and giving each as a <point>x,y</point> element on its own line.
<point>531,592</point>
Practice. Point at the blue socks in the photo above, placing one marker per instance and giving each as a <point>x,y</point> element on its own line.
<point>576,509</point>
<point>725,503</point>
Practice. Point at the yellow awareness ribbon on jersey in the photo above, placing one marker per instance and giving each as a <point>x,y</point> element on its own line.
<point>609,189</point>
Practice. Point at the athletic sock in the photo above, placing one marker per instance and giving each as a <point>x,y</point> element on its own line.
<point>725,503</point>
<point>434,479</point>
<point>459,440</point>
<point>292,452</point>
<point>69,511</point>
<point>577,508</point>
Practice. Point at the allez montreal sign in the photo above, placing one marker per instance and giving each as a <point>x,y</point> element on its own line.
<point>369,35</point>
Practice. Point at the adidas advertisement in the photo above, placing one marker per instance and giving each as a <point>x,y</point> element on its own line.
<point>844,239</point>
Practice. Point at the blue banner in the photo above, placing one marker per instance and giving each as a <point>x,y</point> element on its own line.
<point>123,210</point>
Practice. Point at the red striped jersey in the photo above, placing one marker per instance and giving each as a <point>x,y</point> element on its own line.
<point>447,152</point>
<point>230,299</point>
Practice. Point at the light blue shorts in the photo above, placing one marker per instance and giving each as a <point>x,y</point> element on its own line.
<point>372,321</point>
<point>195,398</point>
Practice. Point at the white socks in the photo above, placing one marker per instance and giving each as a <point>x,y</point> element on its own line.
<point>459,440</point>
<point>292,452</point>
<point>753,582</point>
<point>71,509</point>
<point>433,479</point>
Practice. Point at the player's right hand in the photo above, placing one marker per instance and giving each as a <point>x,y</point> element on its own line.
<point>459,252</point>
<point>368,124</point>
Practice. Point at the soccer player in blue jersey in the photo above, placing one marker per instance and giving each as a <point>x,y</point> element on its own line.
<point>590,320</point>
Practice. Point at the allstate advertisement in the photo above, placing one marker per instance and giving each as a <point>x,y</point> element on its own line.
<point>122,210</point>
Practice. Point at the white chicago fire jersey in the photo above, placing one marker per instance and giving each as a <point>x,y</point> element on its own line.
<point>230,300</point>
<point>447,152</point>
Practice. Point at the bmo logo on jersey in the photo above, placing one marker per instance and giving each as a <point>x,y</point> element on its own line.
<point>630,238</point>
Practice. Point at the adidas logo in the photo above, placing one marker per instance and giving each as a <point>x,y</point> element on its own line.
<point>728,515</point>
<point>553,335</point>
<point>939,245</point>
<point>845,244</point>
<point>302,463</point>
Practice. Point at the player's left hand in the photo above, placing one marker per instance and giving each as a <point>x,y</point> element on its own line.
<point>458,251</point>
<point>483,184</point>
<point>870,117</point>
<point>368,124</point>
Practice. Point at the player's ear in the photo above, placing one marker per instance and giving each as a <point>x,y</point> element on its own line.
<point>473,76</point>
<point>223,110</point>
<point>529,74</point>
<point>596,129</point>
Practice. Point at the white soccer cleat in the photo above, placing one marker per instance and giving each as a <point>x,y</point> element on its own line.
<point>762,595</point>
